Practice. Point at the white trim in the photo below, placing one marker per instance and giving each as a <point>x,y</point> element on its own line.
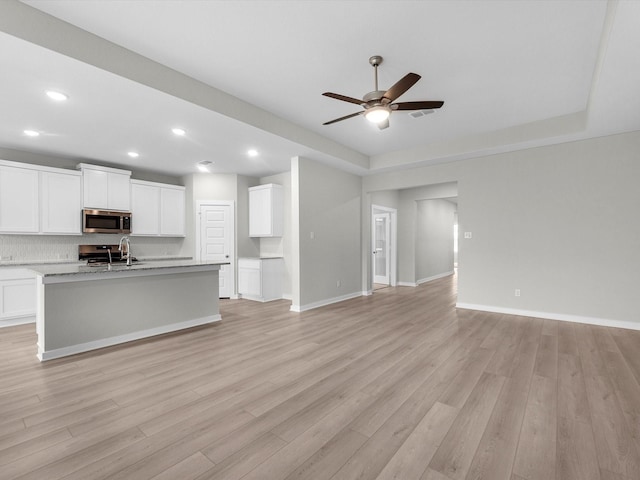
<point>87,166</point>
<point>322,303</point>
<point>393,244</point>
<point>39,168</point>
<point>128,337</point>
<point>407,284</point>
<point>287,296</point>
<point>435,277</point>
<point>563,317</point>
<point>366,293</point>
<point>17,320</point>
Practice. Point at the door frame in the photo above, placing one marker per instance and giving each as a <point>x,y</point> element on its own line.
<point>392,244</point>
<point>232,253</point>
<point>387,250</point>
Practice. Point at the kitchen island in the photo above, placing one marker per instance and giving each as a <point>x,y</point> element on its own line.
<point>82,308</point>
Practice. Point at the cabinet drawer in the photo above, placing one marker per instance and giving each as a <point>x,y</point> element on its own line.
<point>249,263</point>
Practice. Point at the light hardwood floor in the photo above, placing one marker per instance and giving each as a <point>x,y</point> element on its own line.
<point>399,385</point>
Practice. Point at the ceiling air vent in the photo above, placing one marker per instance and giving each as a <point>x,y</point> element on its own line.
<point>420,113</point>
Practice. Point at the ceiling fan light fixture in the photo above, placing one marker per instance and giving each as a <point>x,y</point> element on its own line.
<point>57,96</point>
<point>378,114</point>
<point>203,166</point>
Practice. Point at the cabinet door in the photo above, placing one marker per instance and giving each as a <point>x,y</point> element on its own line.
<point>119,192</point>
<point>95,189</point>
<point>145,209</point>
<point>260,212</point>
<point>61,203</point>
<point>19,211</point>
<point>249,282</point>
<point>17,298</point>
<point>172,203</point>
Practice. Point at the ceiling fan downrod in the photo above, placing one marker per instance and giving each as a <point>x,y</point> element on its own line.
<point>375,61</point>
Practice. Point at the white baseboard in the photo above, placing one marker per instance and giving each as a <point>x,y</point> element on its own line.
<point>602,322</point>
<point>287,296</point>
<point>129,337</point>
<point>366,293</point>
<point>12,322</point>
<point>322,303</point>
<point>435,277</point>
<point>407,284</point>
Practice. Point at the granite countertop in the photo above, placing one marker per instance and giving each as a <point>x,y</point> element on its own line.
<point>48,270</point>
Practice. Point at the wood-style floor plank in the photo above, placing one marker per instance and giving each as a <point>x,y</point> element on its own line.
<point>536,456</point>
<point>400,384</point>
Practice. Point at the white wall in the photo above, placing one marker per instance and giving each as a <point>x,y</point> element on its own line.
<point>387,198</point>
<point>557,222</point>
<point>327,238</point>
<point>434,239</point>
<point>226,187</point>
<point>407,226</point>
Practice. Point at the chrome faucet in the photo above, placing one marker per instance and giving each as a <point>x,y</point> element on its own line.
<point>125,240</point>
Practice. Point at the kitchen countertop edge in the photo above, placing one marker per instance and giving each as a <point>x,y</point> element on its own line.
<point>49,270</point>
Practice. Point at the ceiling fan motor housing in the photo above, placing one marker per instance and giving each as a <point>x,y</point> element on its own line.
<point>374,98</point>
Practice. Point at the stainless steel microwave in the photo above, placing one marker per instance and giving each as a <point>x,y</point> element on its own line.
<point>104,221</point>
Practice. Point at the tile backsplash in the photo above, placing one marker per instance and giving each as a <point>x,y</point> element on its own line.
<point>51,248</point>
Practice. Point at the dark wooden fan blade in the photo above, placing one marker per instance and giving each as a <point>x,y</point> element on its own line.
<point>344,98</point>
<point>426,105</point>
<point>404,84</point>
<point>343,118</point>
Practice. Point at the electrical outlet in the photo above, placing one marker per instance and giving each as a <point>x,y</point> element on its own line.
<point>338,283</point>
<point>517,292</point>
<point>468,235</point>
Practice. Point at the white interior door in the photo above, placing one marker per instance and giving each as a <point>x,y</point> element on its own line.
<point>381,247</point>
<point>216,242</point>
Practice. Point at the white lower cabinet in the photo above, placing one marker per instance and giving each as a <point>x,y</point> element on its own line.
<point>17,296</point>
<point>260,279</point>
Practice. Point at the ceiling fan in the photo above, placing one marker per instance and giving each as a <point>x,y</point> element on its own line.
<point>378,104</point>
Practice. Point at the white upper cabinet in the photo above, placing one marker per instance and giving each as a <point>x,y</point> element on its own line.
<point>38,199</point>
<point>105,188</point>
<point>157,209</point>
<point>172,204</point>
<point>61,195</point>
<point>145,209</point>
<point>266,211</point>
<point>19,212</point>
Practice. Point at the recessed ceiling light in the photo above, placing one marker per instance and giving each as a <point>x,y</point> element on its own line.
<point>203,166</point>
<point>252,153</point>
<point>178,131</point>
<point>31,133</point>
<point>133,154</point>
<point>57,96</point>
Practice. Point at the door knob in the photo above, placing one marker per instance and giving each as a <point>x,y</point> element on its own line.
<point>226,256</point>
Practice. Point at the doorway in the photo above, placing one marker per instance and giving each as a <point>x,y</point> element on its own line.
<point>383,260</point>
<point>215,240</point>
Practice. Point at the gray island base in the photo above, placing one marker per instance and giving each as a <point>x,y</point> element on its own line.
<point>82,308</point>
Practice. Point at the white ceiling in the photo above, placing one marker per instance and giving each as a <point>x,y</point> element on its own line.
<point>511,73</point>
